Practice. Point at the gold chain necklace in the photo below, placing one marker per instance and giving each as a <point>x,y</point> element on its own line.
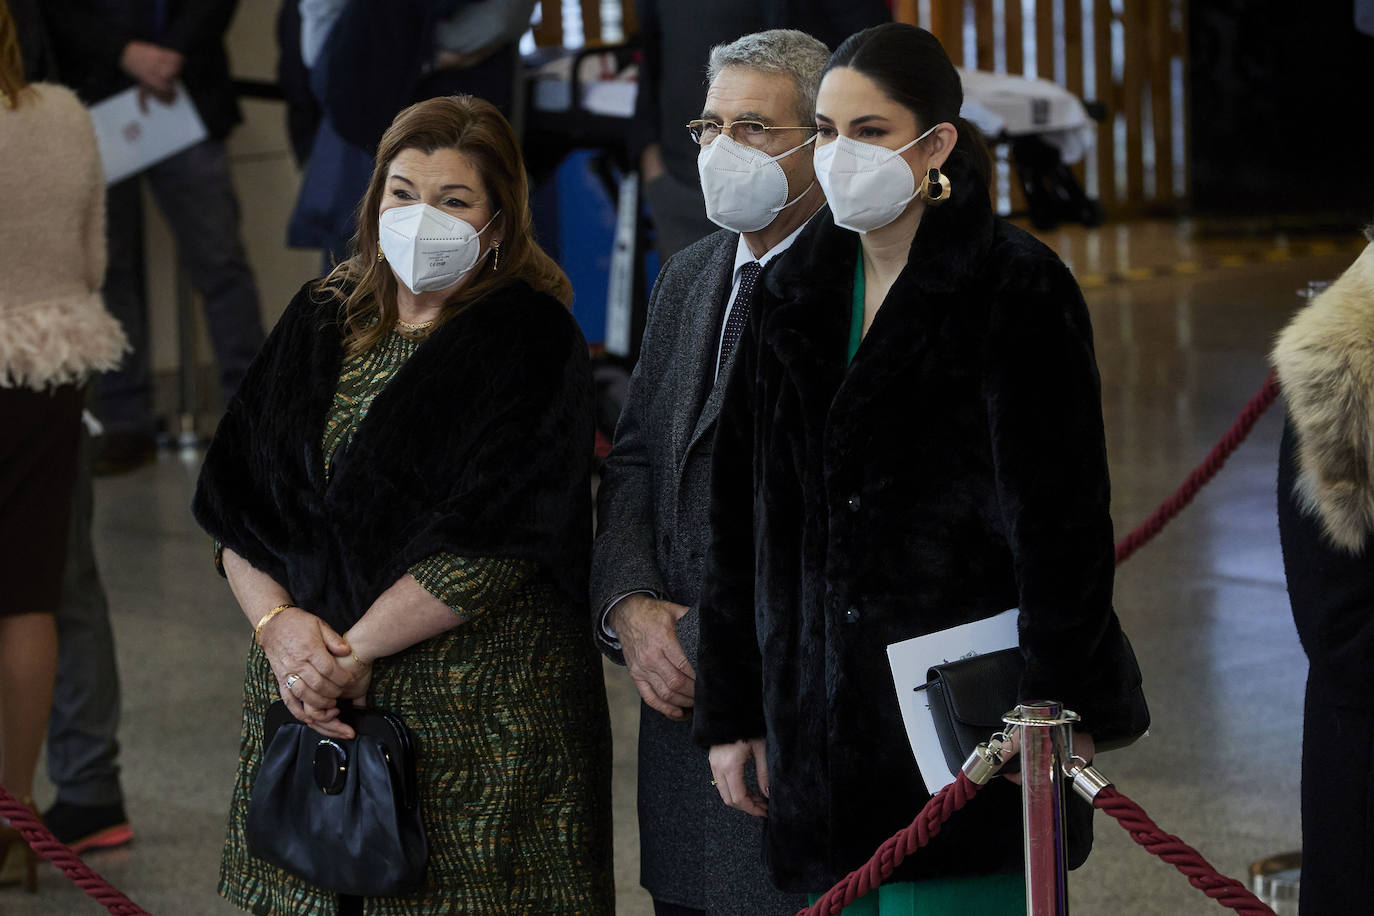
<point>414,328</point>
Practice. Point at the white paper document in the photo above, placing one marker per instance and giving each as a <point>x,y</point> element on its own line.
<point>131,138</point>
<point>912,659</point>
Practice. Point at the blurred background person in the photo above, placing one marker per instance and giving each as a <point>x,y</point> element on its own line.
<point>54,332</point>
<point>106,46</point>
<point>677,38</point>
<point>366,62</point>
<point>447,501</point>
<point>82,744</point>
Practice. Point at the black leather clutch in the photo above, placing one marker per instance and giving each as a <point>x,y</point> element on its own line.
<point>968,698</point>
<point>341,814</point>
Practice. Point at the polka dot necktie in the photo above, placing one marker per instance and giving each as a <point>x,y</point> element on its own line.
<point>739,313</point>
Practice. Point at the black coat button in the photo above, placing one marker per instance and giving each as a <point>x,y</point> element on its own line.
<point>851,615</point>
<point>853,503</point>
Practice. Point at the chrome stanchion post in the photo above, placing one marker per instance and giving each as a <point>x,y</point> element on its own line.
<point>1046,743</point>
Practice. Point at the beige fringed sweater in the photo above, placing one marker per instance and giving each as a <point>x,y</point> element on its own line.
<point>53,325</point>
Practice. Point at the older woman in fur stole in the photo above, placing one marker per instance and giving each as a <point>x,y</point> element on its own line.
<point>402,492</point>
<point>1325,361</point>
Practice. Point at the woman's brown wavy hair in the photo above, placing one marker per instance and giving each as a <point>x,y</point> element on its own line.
<point>12,82</point>
<point>365,285</point>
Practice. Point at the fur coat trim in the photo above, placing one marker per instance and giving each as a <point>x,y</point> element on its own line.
<point>481,446</point>
<point>56,343</point>
<point>1325,363</point>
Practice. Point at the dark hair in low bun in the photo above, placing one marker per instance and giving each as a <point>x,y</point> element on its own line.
<point>910,65</point>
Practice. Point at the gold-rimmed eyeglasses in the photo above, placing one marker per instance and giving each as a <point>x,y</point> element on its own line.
<point>746,131</point>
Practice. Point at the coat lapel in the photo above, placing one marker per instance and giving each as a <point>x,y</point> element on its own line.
<point>700,336</point>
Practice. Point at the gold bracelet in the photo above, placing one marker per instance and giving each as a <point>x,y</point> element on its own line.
<point>266,618</point>
<point>355,654</point>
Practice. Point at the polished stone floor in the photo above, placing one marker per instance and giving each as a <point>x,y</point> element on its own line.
<point>1181,351</point>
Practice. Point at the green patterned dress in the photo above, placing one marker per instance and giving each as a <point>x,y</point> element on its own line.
<point>509,713</point>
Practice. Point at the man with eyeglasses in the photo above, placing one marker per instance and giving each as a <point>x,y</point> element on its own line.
<point>675,38</point>
<point>754,142</point>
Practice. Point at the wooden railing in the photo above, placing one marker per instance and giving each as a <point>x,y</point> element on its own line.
<point>1128,55</point>
<point>552,28</point>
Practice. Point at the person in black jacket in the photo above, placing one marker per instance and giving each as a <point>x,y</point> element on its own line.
<point>104,47</point>
<point>911,440</point>
<point>1325,361</point>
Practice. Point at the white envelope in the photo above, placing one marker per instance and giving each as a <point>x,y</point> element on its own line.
<point>911,659</point>
<point>132,139</point>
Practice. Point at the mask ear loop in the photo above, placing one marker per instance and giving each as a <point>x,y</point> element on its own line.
<point>901,149</point>
<point>797,198</point>
<point>810,139</point>
<point>489,222</point>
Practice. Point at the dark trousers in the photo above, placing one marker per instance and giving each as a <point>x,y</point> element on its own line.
<point>672,909</point>
<point>85,706</point>
<point>1337,807</point>
<point>194,191</point>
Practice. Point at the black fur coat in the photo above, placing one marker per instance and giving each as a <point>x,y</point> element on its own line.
<point>956,469</point>
<point>480,446</point>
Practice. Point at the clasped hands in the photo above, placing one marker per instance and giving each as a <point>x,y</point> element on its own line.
<point>320,666</point>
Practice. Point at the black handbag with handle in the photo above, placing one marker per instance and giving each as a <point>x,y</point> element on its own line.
<point>969,696</point>
<point>343,814</point>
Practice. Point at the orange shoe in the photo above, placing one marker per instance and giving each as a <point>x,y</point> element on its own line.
<point>87,827</point>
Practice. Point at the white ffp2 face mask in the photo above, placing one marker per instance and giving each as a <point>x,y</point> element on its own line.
<point>867,186</point>
<point>745,188</point>
<point>427,249</point>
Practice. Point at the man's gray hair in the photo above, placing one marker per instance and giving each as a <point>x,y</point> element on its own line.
<point>787,51</point>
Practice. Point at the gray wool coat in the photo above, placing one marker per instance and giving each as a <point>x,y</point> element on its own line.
<point>652,533</point>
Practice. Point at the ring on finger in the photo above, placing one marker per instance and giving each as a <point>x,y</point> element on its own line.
<point>290,681</point>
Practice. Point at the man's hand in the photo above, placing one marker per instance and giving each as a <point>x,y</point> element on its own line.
<point>154,67</point>
<point>727,768</point>
<point>456,61</point>
<point>651,163</point>
<point>658,667</point>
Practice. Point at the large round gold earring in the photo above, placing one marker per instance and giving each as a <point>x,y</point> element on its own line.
<point>495,255</point>
<point>935,188</point>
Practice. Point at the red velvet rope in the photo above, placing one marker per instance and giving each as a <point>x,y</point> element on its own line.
<point>951,798</point>
<point>1200,874</point>
<point>1204,472</point>
<point>41,841</point>
<point>896,848</point>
